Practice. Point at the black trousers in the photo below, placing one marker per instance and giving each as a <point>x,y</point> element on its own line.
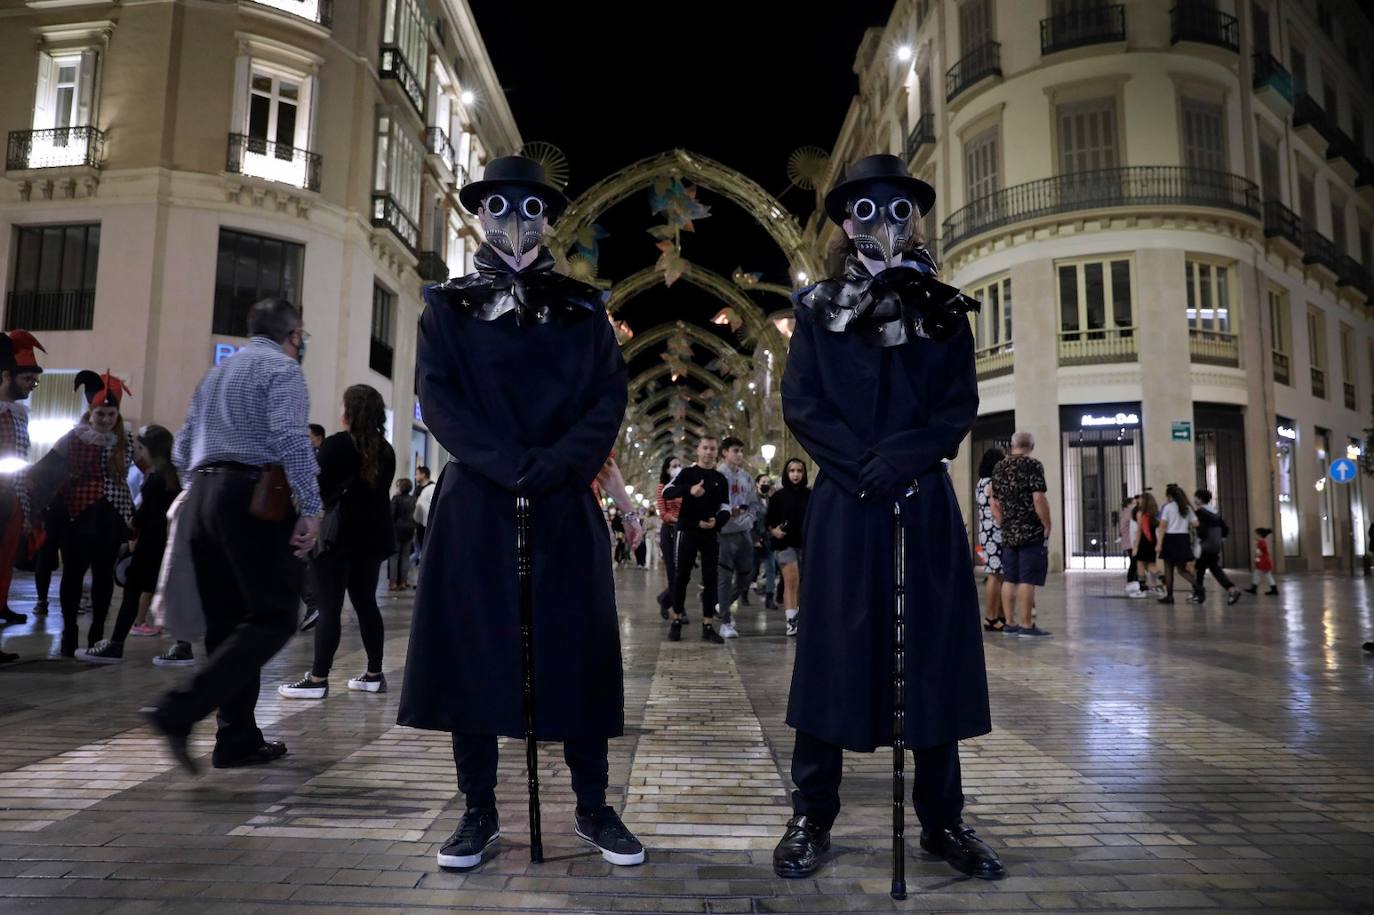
<point>90,542</point>
<point>1131,574</point>
<point>250,584</point>
<point>667,547</point>
<point>334,575</point>
<point>1211,562</point>
<point>46,562</point>
<point>689,543</point>
<point>936,784</point>
<point>143,574</point>
<point>475,757</point>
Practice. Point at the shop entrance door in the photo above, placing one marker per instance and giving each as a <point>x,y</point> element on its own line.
<point>1220,453</point>
<point>1101,468</point>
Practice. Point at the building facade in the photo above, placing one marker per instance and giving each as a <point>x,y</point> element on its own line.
<point>170,163</point>
<point>1166,208</point>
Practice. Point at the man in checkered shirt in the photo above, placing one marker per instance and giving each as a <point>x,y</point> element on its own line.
<point>248,412</point>
<point>19,371</point>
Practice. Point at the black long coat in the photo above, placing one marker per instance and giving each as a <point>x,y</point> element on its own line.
<point>912,404</point>
<point>490,390</point>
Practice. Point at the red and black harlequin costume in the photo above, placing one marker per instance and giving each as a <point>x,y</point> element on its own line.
<point>17,357</point>
<point>85,478</point>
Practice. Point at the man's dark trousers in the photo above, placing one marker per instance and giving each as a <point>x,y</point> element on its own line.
<point>1211,562</point>
<point>937,787</point>
<point>689,543</point>
<point>250,583</point>
<point>475,757</point>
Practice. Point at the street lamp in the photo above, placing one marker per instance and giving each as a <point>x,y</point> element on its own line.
<point>904,53</point>
<point>768,451</point>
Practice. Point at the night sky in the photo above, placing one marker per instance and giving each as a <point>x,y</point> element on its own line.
<point>744,83</point>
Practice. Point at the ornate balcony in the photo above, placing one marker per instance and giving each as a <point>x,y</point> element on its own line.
<point>1204,25</point>
<point>1213,347</point>
<point>437,144</point>
<point>69,310</point>
<point>1309,120</point>
<point>320,12</point>
<point>387,214</point>
<point>1341,152</point>
<point>431,267</point>
<point>1273,84</point>
<point>1281,222</point>
<point>55,147</point>
<point>1318,250</point>
<point>922,134</point>
<point>980,63</point>
<point>259,158</point>
<point>994,360</point>
<point>395,66</point>
<point>1089,26</point>
<point>1130,186</point>
<point>1351,273</point>
<point>1089,347</point>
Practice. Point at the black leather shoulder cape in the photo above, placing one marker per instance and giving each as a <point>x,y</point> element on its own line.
<point>536,294</point>
<point>887,310</point>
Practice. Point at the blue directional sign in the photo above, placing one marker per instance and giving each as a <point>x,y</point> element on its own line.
<point>1343,470</point>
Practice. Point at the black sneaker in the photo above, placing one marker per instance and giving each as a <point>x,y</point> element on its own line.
<point>709,634</point>
<point>604,830</point>
<point>1253,589</point>
<point>40,608</point>
<point>675,631</point>
<point>1232,597</point>
<point>1166,599</point>
<point>311,618</point>
<point>1272,591</point>
<point>103,652</point>
<point>369,683</point>
<point>475,834</point>
<point>798,852</point>
<point>304,688</point>
<point>8,616</point>
<point>179,655</point>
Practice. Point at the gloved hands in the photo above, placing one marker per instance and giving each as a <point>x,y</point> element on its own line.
<point>880,481</point>
<point>540,473</point>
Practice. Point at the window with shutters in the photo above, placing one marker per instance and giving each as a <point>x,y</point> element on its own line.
<point>1280,335</point>
<point>1316,350</point>
<point>1095,301</point>
<point>1331,99</point>
<point>1338,234</point>
<point>1347,340</point>
<point>982,167</point>
<point>1087,136</point>
<point>975,25</point>
<point>63,110</point>
<point>1307,198</point>
<point>270,133</point>
<point>1270,183</point>
<point>54,278</point>
<point>1209,286</point>
<point>1204,143</point>
<point>992,324</point>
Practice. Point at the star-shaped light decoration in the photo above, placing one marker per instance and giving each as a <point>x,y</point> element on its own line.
<point>728,316</point>
<point>745,280</point>
<point>670,263</point>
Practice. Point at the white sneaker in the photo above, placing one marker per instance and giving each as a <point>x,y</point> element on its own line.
<point>304,688</point>
<point>792,626</point>
<point>369,683</point>
<point>1138,593</point>
<point>727,631</point>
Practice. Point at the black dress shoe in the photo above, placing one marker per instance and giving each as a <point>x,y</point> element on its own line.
<point>964,851</point>
<point>799,851</point>
<point>177,743</point>
<point>269,751</point>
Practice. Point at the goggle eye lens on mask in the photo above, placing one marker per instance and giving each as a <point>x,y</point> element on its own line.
<point>496,205</point>
<point>864,209</point>
<point>900,209</point>
<point>533,208</point>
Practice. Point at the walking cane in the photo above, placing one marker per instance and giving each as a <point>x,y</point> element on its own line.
<point>898,704</point>
<point>523,566</point>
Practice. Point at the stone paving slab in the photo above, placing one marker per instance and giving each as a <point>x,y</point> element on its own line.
<point>1148,759</point>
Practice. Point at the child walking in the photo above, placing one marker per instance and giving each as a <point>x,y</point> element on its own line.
<point>1264,565</point>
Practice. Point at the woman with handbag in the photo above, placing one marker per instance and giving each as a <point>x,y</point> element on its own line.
<point>356,536</point>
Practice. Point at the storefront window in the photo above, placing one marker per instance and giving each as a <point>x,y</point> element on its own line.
<point>1285,447</point>
<point>1358,522</point>
<point>1102,466</point>
<point>1325,502</point>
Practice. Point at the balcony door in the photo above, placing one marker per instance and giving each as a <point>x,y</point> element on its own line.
<point>274,113</point>
<point>1088,153</point>
<point>982,174</point>
<point>975,26</point>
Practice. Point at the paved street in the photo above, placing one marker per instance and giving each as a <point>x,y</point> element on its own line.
<point>1147,758</point>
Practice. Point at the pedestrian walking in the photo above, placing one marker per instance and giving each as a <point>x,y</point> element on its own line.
<point>1264,564</point>
<point>1145,549</point>
<point>424,495</point>
<point>403,523</point>
<point>786,521</point>
<point>704,511</point>
<point>736,538</point>
<point>1176,524</point>
<point>1126,533</point>
<point>667,538</point>
<point>765,559</point>
<point>990,539</point>
<point>1020,508</point>
<point>1212,531</point>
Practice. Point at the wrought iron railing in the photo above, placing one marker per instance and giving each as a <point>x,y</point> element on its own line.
<point>922,132</point>
<point>1306,111</point>
<point>55,147</point>
<point>431,267</point>
<point>1350,272</point>
<point>1281,222</point>
<point>983,61</point>
<point>1205,25</point>
<point>1282,367</point>
<point>395,66</point>
<point>1318,249</point>
<point>1084,347</point>
<point>437,142</point>
<point>73,309</point>
<point>1339,144</point>
<point>1136,185</point>
<point>1091,25</point>
<point>387,213</point>
<point>1213,347</point>
<point>321,11</point>
<point>1318,382</point>
<point>271,161</point>
<point>1270,73</point>
<point>995,360</point>
<point>380,357</point>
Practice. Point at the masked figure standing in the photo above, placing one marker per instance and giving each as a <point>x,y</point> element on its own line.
<point>880,389</point>
<point>522,381</point>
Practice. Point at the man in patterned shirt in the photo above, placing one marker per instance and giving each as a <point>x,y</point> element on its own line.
<point>249,412</point>
<point>19,371</point>
<point>1020,507</point>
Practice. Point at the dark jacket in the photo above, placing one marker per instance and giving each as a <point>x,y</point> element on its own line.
<point>787,507</point>
<point>504,393</point>
<point>714,503</point>
<point>365,530</point>
<point>848,399</point>
<point>403,516</point>
<point>150,524</point>
<point>1212,529</point>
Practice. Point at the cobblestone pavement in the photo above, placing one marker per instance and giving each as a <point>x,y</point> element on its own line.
<point>1148,758</point>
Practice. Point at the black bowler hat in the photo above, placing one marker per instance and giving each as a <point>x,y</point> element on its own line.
<point>885,168</point>
<point>515,170</point>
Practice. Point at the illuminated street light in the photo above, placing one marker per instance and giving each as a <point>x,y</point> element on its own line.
<point>904,53</point>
